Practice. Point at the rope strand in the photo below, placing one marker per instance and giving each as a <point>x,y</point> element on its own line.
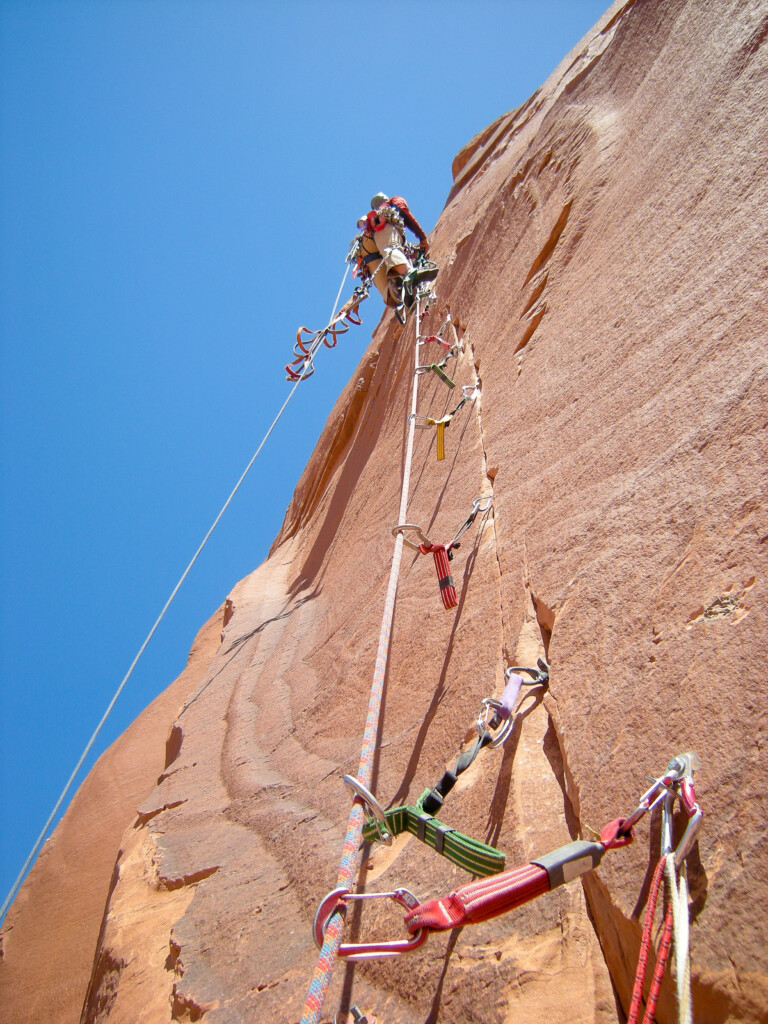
<point>39,841</point>
<point>332,937</point>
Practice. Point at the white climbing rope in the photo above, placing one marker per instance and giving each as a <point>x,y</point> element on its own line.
<point>39,841</point>
<point>678,895</point>
<point>333,932</point>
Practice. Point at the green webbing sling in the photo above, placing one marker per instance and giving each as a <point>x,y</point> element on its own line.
<point>475,857</point>
<point>438,369</point>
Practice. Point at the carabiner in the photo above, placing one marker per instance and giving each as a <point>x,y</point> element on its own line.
<point>498,713</point>
<point>477,504</point>
<point>367,950</point>
<point>376,815</point>
<point>411,526</point>
<point>677,780</point>
<point>477,507</point>
<point>490,719</point>
<point>682,766</point>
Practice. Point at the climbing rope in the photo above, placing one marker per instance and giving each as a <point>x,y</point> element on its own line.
<point>39,841</point>
<point>333,923</point>
<point>678,778</point>
<point>678,895</point>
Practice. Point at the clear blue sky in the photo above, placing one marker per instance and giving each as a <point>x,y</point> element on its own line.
<point>179,181</point>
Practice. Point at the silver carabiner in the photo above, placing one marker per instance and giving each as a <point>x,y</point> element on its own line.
<point>371,805</point>
<point>411,526</point>
<point>477,504</point>
<point>489,707</point>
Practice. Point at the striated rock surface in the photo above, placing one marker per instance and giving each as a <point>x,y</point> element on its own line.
<point>51,931</point>
<point>603,251</point>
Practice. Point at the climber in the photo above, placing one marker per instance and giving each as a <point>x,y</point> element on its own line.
<point>382,255</point>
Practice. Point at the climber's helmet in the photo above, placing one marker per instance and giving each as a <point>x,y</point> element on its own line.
<point>378,200</point>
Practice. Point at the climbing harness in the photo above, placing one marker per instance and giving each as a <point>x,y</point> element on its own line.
<point>334,921</point>
<point>305,349</point>
<point>443,553</point>
<point>402,290</point>
<point>677,781</point>
<point>469,394</point>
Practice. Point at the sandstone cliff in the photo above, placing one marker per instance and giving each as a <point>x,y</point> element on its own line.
<point>603,253</point>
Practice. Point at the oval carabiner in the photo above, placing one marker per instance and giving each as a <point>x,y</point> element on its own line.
<point>489,719</point>
<point>477,504</point>
<point>376,815</point>
<point>419,531</point>
<point>367,950</point>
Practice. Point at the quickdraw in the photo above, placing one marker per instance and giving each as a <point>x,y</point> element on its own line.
<point>470,854</point>
<point>306,349</point>
<point>443,553</point>
<point>382,826</point>
<point>497,894</point>
<point>469,394</point>
<point>494,724</point>
<point>452,349</point>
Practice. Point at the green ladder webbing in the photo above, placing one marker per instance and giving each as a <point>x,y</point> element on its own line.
<point>470,854</point>
<point>437,368</point>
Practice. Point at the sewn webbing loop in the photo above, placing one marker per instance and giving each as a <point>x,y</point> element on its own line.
<point>480,901</point>
<point>431,800</point>
<point>465,852</point>
<point>444,578</point>
<point>333,932</point>
<point>440,426</point>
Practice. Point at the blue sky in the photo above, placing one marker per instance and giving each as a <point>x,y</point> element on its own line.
<point>179,182</point>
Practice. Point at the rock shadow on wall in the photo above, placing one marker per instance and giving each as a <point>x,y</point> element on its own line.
<point>498,805</point>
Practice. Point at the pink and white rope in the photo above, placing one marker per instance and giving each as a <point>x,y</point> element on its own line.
<point>347,869</point>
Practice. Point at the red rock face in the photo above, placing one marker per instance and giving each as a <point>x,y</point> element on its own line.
<point>603,253</point>
<point>51,932</point>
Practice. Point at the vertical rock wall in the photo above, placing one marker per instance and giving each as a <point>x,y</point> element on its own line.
<point>603,253</point>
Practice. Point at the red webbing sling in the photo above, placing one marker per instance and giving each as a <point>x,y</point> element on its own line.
<point>489,897</point>
<point>447,589</point>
